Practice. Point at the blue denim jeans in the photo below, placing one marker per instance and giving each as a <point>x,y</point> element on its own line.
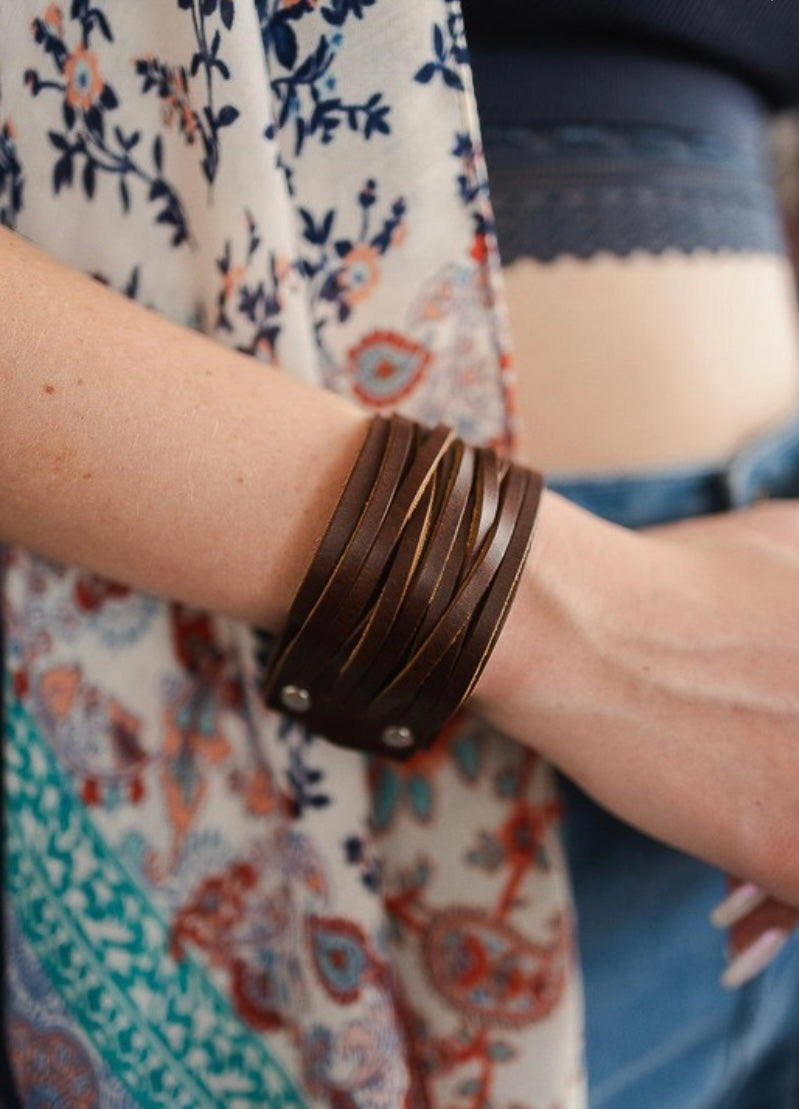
<point>661,1032</point>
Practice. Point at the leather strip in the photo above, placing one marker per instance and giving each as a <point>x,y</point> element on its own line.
<point>313,627</point>
<point>430,570</point>
<point>356,492</point>
<point>413,486</point>
<point>454,621</point>
<point>483,504</point>
<point>350,664</point>
<point>484,630</point>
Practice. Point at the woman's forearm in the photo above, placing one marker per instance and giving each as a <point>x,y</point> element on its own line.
<point>657,670</point>
<point>150,454</point>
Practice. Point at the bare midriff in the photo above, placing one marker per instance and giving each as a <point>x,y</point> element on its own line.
<point>650,360</point>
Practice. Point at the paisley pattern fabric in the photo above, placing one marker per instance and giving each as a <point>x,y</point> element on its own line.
<point>205,904</point>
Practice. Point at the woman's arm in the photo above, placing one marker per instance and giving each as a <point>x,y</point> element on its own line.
<point>660,670</point>
<point>150,454</point>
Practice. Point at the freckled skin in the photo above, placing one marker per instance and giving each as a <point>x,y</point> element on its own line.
<point>165,428</point>
<point>49,388</point>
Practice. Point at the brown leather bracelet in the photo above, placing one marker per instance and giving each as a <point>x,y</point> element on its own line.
<point>408,591</point>
<point>402,614</point>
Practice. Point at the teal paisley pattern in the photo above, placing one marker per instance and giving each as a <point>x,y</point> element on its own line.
<point>107,951</point>
<point>207,905</point>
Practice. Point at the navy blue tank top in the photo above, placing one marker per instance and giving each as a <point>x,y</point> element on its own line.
<point>620,125</point>
<point>757,40</point>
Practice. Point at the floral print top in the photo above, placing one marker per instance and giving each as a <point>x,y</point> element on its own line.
<point>207,906</point>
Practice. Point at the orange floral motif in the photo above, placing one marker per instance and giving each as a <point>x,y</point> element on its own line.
<point>216,907</point>
<point>386,366</point>
<point>282,266</point>
<point>260,793</point>
<point>479,249</point>
<point>186,746</point>
<point>361,273</point>
<point>84,81</point>
<point>52,19</point>
<point>231,280</point>
<point>58,688</point>
<point>178,104</point>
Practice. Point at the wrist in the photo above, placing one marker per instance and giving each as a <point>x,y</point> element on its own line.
<point>548,653</point>
<point>510,660</point>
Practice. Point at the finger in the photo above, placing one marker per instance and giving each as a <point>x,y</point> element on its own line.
<point>766,917</point>
<point>759,928</point>
<point>742,899</point>
<point>754,959</point>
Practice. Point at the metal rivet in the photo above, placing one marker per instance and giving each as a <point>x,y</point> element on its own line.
<point>296,698</point>
<point>398,737</point>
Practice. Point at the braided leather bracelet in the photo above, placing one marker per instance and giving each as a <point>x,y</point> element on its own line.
<point>407,592</point>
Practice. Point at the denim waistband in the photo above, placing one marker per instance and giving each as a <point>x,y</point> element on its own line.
<point>765,465</point>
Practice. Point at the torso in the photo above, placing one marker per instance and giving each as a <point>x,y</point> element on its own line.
<point>650,361</point>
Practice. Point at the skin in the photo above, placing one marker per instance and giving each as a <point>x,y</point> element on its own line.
<point>645,361</point>
<point>660,674</point>
<point>684,356</point>
<point>145,452</point>
<point>678,648</point>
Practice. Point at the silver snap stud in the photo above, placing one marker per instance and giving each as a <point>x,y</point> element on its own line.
<point>296,698</point>
<point>397,737</point>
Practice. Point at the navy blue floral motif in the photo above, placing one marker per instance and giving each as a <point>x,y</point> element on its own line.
<point>87,98</point>
<point>172,82</point>
<point>11,179</point>
<point>449,50</point>
<point>342,270</point>
<point>469,184</point>
<point>339,10</point>
<point>306,93</point>
<point>256,300</point>
<point>303,780</point>
<point>473,192</point>
<point>359,851</point>
<point>129,289</point>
